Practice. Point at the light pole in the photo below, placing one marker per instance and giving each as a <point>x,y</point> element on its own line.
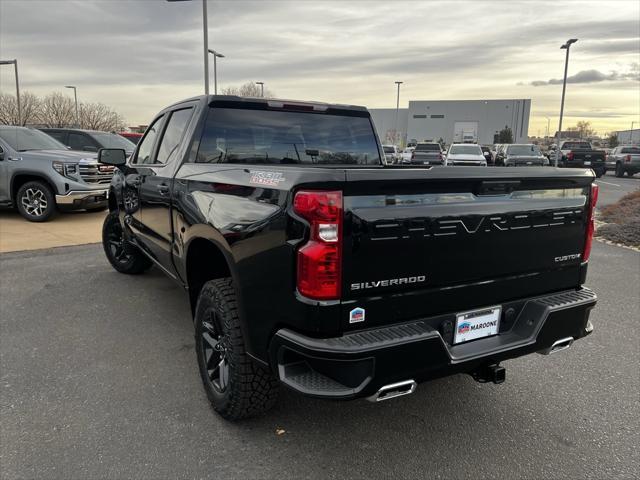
<point>75,96</point>
<point>548,121</point>
<point>566,47</point>
<point>261,88</point>
<point>15,65</point>
<point>395,136</point>
<point>205,34</point>
<point>631,132</point>
<point>215,70</point>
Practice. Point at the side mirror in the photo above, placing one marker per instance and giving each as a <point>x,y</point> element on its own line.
<point>112,156</point>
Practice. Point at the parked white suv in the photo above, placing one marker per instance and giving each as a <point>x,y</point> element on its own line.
<point>465,154</point>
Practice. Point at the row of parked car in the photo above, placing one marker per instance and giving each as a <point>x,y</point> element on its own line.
<point>431,153</point>
<point>573,154</point>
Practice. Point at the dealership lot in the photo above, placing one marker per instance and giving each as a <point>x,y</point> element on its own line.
<point>72,228</point>
<point>99,379</point>
<point>613,189</point>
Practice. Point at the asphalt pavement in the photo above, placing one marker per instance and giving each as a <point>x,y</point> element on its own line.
<point>99,380</point>
<point>613,189</point>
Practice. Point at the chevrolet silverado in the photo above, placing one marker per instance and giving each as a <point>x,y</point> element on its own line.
<point>310,263</point>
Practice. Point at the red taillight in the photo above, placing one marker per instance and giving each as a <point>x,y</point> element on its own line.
<point>570,156</point>
<point>627,158</point>
<point>591,224</point>
<point>320,259</point>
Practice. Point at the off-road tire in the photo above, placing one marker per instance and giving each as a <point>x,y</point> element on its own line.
<point>619,170</point>
<point>251,389</point>
<point>35,191</point>
<point>124,258</point>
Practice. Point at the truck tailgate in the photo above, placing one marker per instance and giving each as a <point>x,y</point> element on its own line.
<point>422,230</point>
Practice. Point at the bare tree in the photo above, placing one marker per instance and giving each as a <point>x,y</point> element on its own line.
<point>97,116</point>
<point>29,104</point>
<point>249,89</point>
<point>57,110</point>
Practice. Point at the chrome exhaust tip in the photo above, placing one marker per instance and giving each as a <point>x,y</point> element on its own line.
<point>394,390</point>
<point>558,346</point>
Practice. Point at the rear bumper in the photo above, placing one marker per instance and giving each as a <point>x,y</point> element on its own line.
<point>83,199</point>
<point>359,364</point>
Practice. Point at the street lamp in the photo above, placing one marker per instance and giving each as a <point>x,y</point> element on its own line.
<point>205,34</point>
<point>261,88</point>
<point>15,65</point>
<point>397,108</point>
<point>215,70</point>
<point>75,95</point>
<point>566,47</point>
<point>548,121</point>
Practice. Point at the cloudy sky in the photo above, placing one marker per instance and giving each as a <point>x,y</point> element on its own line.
<point>140,55</point>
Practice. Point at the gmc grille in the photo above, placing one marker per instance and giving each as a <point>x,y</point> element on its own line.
<point>96,173</point>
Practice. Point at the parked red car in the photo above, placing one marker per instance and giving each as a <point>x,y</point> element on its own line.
<point>134,137</point>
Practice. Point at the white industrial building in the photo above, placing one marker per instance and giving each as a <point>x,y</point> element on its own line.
<point>626,136</point>
<point>454,120</point>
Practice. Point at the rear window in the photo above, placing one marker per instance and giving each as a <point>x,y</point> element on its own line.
<point>630,150</point>
<point>523,150</point>
<point>234,135</point>
<point>576,146</point>
<point>465,150</point>
<point>428,147</point>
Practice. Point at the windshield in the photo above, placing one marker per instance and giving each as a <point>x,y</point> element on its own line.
<point>388,149</point>
<point>576,146</point>
<point>234,135</point>
<point>465,150</point>
<point>111,140</point>
<point>523,150</point>
<point>23,139</point>
<point>428,147</point>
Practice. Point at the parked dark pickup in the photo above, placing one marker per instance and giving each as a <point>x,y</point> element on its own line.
<point>579,154</point>
<point>521,155</point>
<point>427,154</point>
<point>310,263</point>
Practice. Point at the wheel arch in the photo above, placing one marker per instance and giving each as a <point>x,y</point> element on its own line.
<point>205,260</point>
<point>20,178</point>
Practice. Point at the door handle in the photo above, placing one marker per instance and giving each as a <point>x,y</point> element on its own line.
<point>163,189</point>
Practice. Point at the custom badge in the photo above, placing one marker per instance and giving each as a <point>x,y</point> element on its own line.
<point>356,315</point>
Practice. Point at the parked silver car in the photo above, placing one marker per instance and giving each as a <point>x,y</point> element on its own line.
<point>39,175</point>
<point>624,159</point>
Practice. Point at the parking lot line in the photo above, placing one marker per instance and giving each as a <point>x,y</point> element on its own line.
<point>608,183</point>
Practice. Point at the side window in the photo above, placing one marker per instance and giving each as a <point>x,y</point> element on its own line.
<point>77,141</point>
<point>60,136</point>
<point>146,146</point>
<point>176,126</point>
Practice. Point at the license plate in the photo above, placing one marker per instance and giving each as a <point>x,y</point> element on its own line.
<point>477,324</point>
<point>587,162</point>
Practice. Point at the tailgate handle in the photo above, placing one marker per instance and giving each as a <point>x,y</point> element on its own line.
<point>498,187</point>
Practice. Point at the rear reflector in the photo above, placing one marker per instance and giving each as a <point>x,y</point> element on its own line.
<point>591,223</point>
<point>319,272</point>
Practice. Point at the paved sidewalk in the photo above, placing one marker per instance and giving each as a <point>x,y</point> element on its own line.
<point>73,228</point>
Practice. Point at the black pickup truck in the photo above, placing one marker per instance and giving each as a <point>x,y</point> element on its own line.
<point>310,263</point>
<point>580,154</point>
